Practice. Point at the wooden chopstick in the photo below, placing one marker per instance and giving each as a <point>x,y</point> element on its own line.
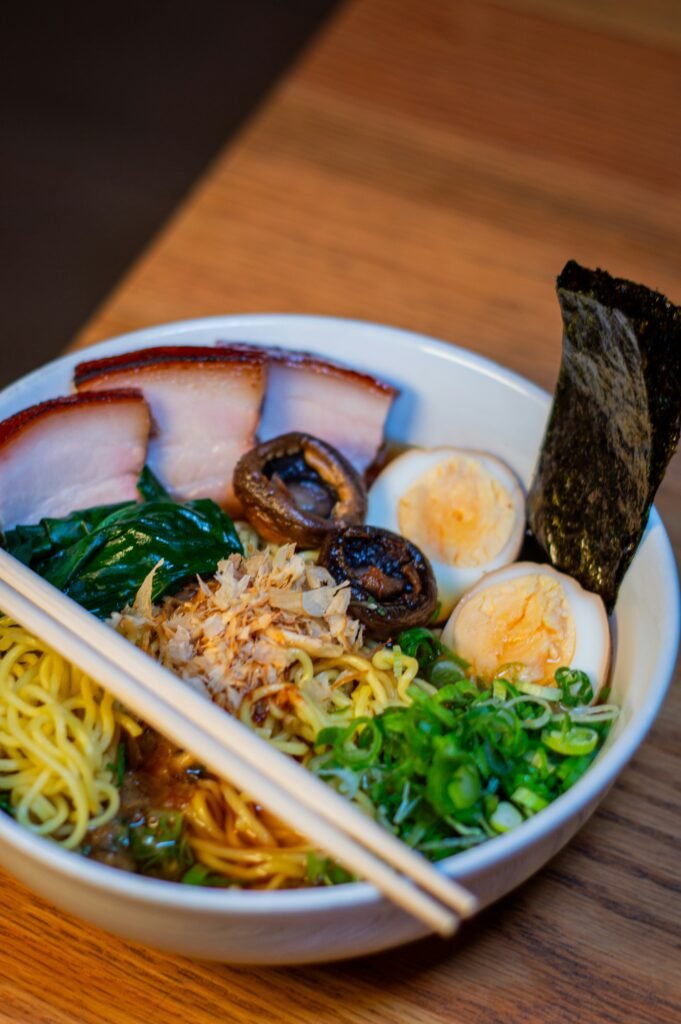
<point>232,750</point>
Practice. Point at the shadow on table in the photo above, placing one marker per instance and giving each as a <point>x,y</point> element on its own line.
<point>108,116</point>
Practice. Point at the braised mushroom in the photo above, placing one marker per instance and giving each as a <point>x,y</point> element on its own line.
<point>298,488</point>
<point>392,583</point>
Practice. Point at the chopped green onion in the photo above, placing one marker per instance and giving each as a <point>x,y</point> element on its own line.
<point>199,874</point>
<point>196,875</point>
<point>505,818</point>
<point>597,713</point>
<point>572,769</point>
<point>436,613</point>
<point>422,644</point>
<point>532,723</point>
<point>536,690</point>
<point>438,848</point>
<point>357,744</point>
<point>575,687</point>
<point>344,780</point>
<point>120,764</point>
<point>490,803</point>
<point>464,789</point>
<point>117,767</point>
<point>466,760</point>
<point>445,671</point>
<point>425,646</point>
<point>447,756</point>
<point>324,871</point>
<point>540,761</point>
<point>158,844</point>
<point>461,692</point>
<point>575,741</point>
<point>502,689</point>
<point>528,799</point>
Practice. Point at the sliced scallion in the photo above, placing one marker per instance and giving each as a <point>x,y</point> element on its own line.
<point>528,799</point>
<point>572,742</point>
<point>597,713</point>
<point>537,690</point>
<point>506,817</point>
<point>464,788</point>
<point>575,687</point>
<point>541,719</point>
<point>466,759</point>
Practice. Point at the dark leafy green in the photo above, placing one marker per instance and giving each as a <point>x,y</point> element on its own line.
<point>150,487</point>
<point>34,545</point>
<point>101,556</point>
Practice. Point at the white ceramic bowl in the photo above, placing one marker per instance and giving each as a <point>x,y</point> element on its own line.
<point>449,396</point>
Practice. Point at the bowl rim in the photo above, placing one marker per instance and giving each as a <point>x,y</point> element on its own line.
<point>580,797</point>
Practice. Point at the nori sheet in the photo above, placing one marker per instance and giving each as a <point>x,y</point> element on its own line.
<point>613,427</point>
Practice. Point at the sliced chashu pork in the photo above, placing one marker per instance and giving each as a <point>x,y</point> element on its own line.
<point>71,453</point>
<point>205,404</point>
<point>343,407</point>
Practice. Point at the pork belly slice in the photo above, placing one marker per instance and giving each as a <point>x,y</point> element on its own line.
<point>71,453</point>
<point>343,407</point>
<point>205,405</point>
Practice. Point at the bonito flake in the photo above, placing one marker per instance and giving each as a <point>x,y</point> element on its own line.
<point>240,630</point>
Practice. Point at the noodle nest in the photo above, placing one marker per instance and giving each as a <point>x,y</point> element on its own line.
<point>268,638</point>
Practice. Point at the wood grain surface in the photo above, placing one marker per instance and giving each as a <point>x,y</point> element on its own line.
<point>433,164</point>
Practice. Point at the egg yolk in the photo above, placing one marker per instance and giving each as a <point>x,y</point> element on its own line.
<point>524,621</point>
<point>457,512</point>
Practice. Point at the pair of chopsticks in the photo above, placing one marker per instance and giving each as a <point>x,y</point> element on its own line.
<point>233,751</point>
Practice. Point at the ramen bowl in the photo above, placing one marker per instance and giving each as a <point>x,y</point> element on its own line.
<point>448,396</point>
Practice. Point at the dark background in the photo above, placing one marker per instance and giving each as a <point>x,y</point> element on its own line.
<point>107,117</point>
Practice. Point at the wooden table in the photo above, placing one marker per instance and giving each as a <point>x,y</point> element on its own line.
<point>433,164</point>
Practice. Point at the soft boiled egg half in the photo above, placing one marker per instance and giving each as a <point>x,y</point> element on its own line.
<point>465,510</point>
<point>533,618</point>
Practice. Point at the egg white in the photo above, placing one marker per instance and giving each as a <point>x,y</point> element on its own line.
<point>592,631</point>
<point>404,471</point>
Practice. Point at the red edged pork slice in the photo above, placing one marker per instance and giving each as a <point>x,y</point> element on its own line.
<point>205,405</point>
<point>71,453</point>
<point>343,407</point>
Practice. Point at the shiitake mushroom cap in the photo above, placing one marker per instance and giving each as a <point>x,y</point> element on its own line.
<point>297,487</point>
<point>392,582</point>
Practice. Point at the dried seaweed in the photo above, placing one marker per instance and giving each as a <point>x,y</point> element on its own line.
<point>613,427</point>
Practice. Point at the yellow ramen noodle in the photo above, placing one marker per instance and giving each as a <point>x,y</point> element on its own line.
<point>235,838</point>
<point>58,734</point>
<point>228,832</point>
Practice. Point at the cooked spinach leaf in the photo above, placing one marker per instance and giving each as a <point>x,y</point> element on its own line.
<point>150,487</point>
<point>101,556</point>
<point>33,544</point>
